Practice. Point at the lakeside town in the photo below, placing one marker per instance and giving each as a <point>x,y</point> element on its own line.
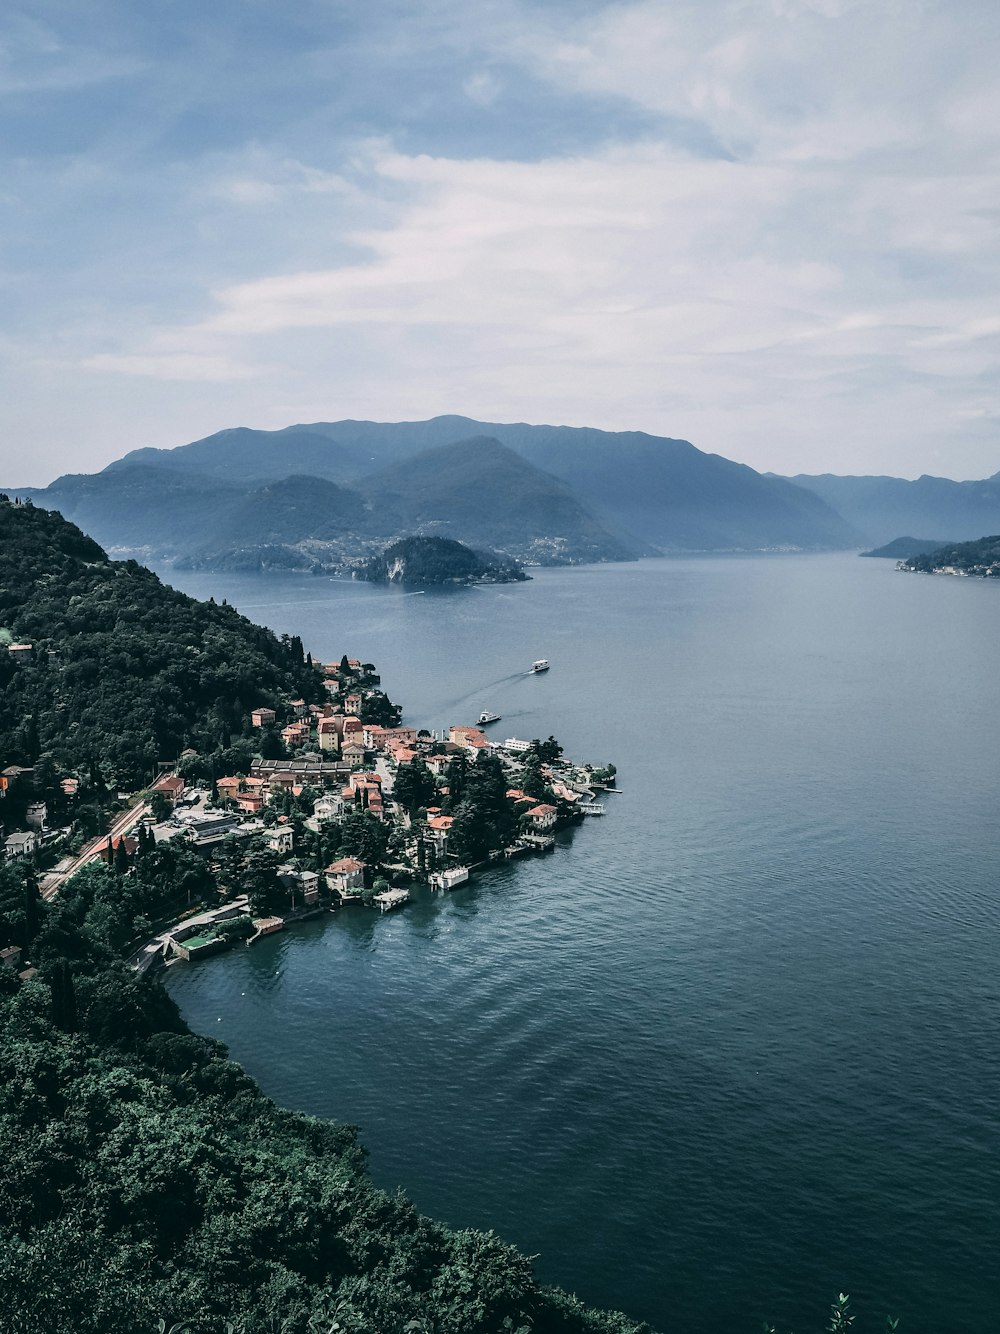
<point>339,805</point>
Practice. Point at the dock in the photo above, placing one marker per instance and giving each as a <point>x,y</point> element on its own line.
<point>391,898</point>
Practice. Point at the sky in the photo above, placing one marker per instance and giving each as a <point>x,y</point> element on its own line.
<point>771,227</point>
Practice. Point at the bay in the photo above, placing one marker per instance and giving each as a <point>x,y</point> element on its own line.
<point>733,1048</point>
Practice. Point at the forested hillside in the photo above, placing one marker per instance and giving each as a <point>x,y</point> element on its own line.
<point>125,671</point>
<point>981,557</point>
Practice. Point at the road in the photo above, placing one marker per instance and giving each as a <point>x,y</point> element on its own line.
<point>126,822</point>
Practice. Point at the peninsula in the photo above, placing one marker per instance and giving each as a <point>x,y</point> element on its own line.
<point>980,559</point>
<point>149,1182</point>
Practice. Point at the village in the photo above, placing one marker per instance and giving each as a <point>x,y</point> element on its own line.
<point>334,811</point>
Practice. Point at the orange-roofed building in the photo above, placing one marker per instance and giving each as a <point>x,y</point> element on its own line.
<point>543,817</point>
<point>170,786</point>
<point>346,877</point>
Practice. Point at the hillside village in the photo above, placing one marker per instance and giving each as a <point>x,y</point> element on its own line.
<point>341,805</point>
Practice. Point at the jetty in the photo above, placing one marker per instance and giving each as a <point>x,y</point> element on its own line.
<point>266,926</point>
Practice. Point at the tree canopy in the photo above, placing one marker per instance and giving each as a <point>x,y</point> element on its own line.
<point>123,667</point>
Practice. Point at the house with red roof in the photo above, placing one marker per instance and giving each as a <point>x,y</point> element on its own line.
<point>346,877</point>
<point>543,817</point>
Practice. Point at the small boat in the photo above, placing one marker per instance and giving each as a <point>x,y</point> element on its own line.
<point>487,717</point>
<point>539,665</point>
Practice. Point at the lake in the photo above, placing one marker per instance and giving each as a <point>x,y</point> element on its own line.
<point>734,1047</point>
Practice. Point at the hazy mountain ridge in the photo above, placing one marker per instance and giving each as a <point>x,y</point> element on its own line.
<point>478,491</point>
<point>902,548</point>
<point>649,491</point>
<point>141,508</point>
<point>254,456</point>
<point>883,507</point>
<point>540,494</point>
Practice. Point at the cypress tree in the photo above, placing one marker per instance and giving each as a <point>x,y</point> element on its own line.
<point>32,910</point>
<point>64,1011</point>
<point>121,857</point>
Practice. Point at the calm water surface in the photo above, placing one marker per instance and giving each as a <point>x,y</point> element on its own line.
<point>735,1047</point>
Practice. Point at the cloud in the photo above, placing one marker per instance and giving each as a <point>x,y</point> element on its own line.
<point>772,228</point>
<point>483,88</point>
<point>739,303</point>
<point>190,366</point>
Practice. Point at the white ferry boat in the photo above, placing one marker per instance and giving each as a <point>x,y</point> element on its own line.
<point>487,717</point>
<point>539,665</point>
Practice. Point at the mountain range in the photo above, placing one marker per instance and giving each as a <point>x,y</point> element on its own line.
<point>883,508</point>
<point>327,494</point>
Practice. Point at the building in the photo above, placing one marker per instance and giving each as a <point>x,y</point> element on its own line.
<point>329,734</point>
<point>11,958</point>
<point>205,830</point>
<point>37,815</point>
<point>438,829</point>
<point>406,735</point>
<point>20,844</point>
<point>449,877</point>
<point>543,817</point>
<point>280,839</point>
<point>304,885</point>
<point>391,898</point>
<point>263,717</point>
<point>328,808</point>
<point>473,740</point>
<point>346,877</point>
<point>354,731</point>
<point>308,772</point>
<point>21,652</point>
<point>516,747</point>
<point>170,786</point>
<point>107,853</point>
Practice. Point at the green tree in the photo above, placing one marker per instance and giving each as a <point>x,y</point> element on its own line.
<point>414,785</point>
<point>364,836</point>
<point>64,1011</point>
<point>32,910</point>
<point>122,860</point>
<point>159,806</point>
<point>271,745</point>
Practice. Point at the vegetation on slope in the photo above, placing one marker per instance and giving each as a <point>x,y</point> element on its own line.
<point>981,557</point>
<point>125,670</point>
<point>481,492</point>
<point>900,548</point>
